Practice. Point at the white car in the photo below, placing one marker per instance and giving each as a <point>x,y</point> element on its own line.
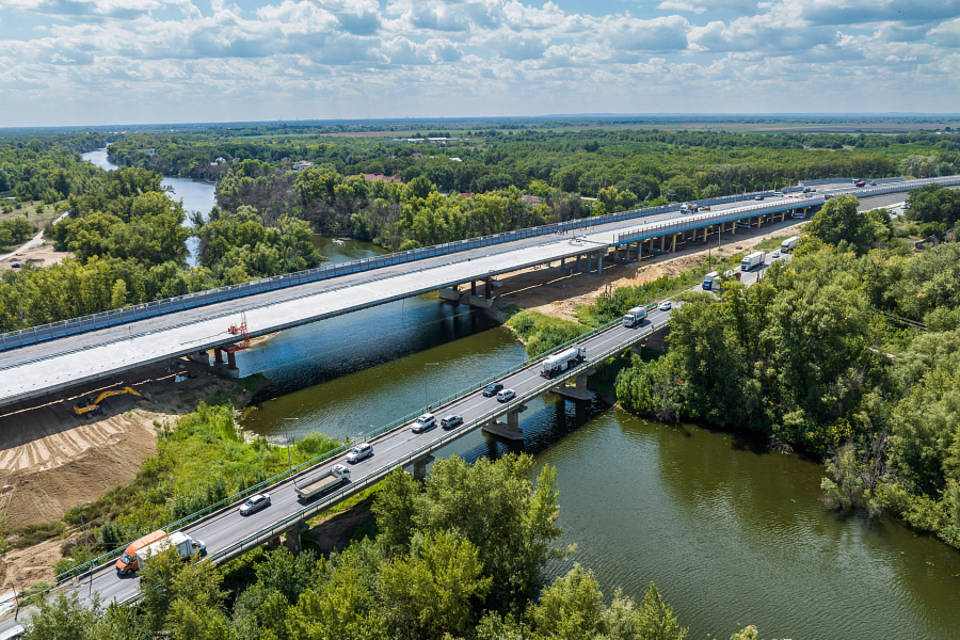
<point>424,422</point>
<point>775,254</point>
<point>255,503</point>
<point>506,395</point>
<point>666,305</point>
<point>360,452</point>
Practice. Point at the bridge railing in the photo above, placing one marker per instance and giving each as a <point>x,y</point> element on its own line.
<point>132,313</point>
<point>309,466</point>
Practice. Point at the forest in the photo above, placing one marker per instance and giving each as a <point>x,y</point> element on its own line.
<point>808,361</point>
<point>427,571</point>
<point>490,180</point>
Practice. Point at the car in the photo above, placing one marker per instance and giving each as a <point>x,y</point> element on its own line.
<point>255,503</point>
<point>16,265</point>
<point>775,254</point>
<point>451,421</point>
<point>360,452</point>
<point>506,395</point>
<point>758,197</point>
<point>425,422</point>
<point>492,390</point>
<point>666,305</point>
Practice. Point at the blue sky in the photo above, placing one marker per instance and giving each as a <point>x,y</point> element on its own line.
<point>133,61</point>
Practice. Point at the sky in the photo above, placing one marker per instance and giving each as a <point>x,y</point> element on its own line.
<point>91,62</point>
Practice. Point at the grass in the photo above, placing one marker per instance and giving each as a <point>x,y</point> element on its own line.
<point>36,212</point>
<point>204,460</point>
<point>540,332</point>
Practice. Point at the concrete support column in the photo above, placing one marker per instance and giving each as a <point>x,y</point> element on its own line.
<point>473,287</point>
<point>663,239</point>
<point>639,251</point>
<point>217,357</point>
<point>510,429</point>
<point>579,268</point>
<point>487,288</point>
<point>291,539</point>
<point>589,262</point>
<point>420,468</point>
<point>759,221</point>
<point>733,227</point>
<point>231,360</point>
<point>562,262</point>
<point>673,249</point>
<point>600,265</point>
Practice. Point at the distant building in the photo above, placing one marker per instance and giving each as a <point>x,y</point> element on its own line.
<point>379,177</point>
<point>220,160</point>
<point>300,165</point>
<point>531,200</point>
<point>150,151</point>
<point>417,155</point>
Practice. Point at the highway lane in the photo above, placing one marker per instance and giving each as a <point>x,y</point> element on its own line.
<point>39,369</point>
<point>227,527</point>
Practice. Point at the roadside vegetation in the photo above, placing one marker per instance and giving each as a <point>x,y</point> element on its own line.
<point>800,359</point>
<point>201,460</point>
<point>461,557</point>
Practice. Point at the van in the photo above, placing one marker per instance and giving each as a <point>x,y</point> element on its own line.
<point>127,563</point>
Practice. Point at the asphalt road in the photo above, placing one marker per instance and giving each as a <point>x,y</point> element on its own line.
<point>227,527</point>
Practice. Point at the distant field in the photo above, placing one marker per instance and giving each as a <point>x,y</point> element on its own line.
<point>37,213</point>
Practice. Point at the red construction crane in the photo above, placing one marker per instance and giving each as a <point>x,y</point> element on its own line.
<point>239,330</point>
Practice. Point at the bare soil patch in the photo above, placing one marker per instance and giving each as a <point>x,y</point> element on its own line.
<point>558,292</point>
<point>41,256</point>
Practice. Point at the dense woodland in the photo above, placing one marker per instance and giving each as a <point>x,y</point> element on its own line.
<point>472,184</point>
<point>807,359</point>
<point>429,571</point>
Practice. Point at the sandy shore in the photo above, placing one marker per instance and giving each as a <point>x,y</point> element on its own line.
<point>52,460</point>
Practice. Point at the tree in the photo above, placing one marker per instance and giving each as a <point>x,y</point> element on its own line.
<point>839,222</point>
<point>394,508</point>
<point>437,587</point>
<point>571,608</point>
<point>61,618</point>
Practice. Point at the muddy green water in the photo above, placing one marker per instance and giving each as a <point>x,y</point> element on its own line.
<point>729,535</point>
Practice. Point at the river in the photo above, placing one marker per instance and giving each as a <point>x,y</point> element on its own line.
<point>196,195</point>
<point>729,535</point>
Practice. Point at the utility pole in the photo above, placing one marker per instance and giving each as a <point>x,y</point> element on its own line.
<point>86,542</point>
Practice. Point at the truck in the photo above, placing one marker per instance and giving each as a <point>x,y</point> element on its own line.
<point>709,279</point>
<point>127,563</point>
<point>691,207</point>
<point>789,244</point>
<point>755,259</point>
<point>634,317</point>
<point>860,183</point>
<point>560,362</point>
<point>184,545</point>
<point>338,475</point>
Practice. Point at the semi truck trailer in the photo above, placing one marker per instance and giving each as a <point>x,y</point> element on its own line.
<point>560,362</point>
<point>335,477</point>
<point>789,244</point>
<point>753,260</point>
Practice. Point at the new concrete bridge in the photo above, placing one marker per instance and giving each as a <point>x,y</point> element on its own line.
<point>45,362</point>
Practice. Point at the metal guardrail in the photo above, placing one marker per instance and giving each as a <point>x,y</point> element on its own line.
<point>113,317</point>
<point>655,230</point>
<point>308,466</point>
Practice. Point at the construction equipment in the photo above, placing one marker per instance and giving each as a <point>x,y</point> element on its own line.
<point>91,406</point>
<point>241,331</point>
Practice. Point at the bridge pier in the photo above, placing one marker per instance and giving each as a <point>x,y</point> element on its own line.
<point>510,429</point>
<point>577,391</point>
<point>600,265</point>
<point>449,294</point>
<point>420,467</point>
<point>291,538</point>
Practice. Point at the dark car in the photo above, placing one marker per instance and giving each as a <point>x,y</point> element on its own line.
<point>492,390</point>
<point>451,421</point>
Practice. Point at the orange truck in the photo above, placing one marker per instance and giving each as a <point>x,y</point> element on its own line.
<point>127,563</point>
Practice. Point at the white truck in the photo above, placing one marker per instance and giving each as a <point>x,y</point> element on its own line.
<point>336,476</point>
<point>753,260</point>
<point>185,547</point>
<point>634,317</point>
<point>789,244</point>
<point>560,362</point>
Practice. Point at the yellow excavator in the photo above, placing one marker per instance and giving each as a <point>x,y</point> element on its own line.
<point>91,406</point>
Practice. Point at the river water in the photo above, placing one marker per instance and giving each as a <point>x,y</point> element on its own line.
<point>730,536</point>
<point>196,195</point>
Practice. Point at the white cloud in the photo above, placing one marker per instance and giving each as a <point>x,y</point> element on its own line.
<point>315,58</point>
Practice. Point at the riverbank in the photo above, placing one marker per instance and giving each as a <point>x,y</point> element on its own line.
<point>559,292</point>
<point>52,460</point>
